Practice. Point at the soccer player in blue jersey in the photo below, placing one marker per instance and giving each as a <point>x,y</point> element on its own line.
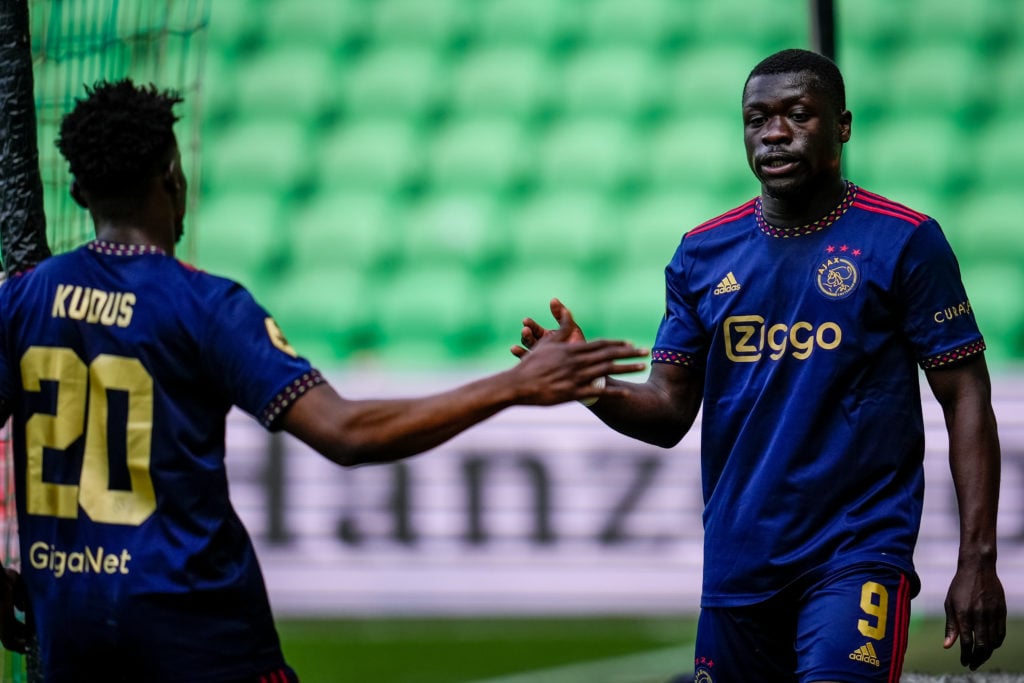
<point>118,365</point>
<point>799,320</point>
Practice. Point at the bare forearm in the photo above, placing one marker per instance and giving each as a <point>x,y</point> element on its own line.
<point>974,459</point>
<point>385,430</point>
<point>659,412</point>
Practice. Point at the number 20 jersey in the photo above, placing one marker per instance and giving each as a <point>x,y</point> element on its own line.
<point>119,365</point>
<point>810,339</point>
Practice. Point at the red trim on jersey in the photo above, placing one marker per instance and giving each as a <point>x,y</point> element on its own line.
<point>727,217</point>
<point>879,204</point>
<point>901,617</point>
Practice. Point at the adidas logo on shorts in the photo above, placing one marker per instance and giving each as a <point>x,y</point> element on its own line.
<point>727,285</point>
<point>866,653</point>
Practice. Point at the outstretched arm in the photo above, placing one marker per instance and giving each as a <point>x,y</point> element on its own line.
<point>659,411</point>
<point>975,603</point>
<point>353,432</point>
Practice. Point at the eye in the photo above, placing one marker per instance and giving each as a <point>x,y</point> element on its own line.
<point>800,116</point>
<point>755,121</point>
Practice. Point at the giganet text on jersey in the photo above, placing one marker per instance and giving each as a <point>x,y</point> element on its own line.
<point>93,305</point>
<point>44,556</point>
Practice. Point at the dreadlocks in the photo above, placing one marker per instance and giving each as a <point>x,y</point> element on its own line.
<point>118,136</point>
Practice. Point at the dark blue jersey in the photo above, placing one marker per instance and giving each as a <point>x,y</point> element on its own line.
<point>810,339</point>
<point>119,365</point>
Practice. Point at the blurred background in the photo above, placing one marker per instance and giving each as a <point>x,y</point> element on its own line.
<point>401,181</point>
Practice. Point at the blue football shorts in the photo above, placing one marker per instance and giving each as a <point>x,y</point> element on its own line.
<point>849,626</point>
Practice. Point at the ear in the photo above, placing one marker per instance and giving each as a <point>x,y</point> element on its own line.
<point>77,195</point>
<point>171,178</point>
<point>845,126</point>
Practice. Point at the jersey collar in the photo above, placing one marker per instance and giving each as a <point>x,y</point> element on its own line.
<point>797,231</point>
<point>119,249</point>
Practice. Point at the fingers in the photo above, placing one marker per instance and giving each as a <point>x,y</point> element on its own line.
<point>563,315</point>
<point>976,643</point>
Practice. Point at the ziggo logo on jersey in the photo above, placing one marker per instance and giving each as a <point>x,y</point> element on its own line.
<point>747,338</point>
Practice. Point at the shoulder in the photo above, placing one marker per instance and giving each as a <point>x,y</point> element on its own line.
<point>731,217</point>
<point>882,208</point>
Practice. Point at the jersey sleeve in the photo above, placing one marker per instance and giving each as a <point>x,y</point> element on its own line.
<point>681,338</point>
<point>257,368</point>
<point>938,319</point>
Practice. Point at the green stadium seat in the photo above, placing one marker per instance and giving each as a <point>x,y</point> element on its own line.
<point>571,227</point>
<point>543,23</point>
<point>436,24</point>
<point>512,80</point>
<point>393,80</point>
<point>270,155</point>
<point>998,161</point>
<point>944,80</point>
<point>375,153</point>
<point>874,26</point>
<point>430,309</point>
<point>652,225</point>
<point>289,81</point>
<point>234,25</point>
<point>345,229</point>
<point>994,288</point>
<point>908,153</point>
<point>323,312</point>
<point>619,80</point>
<point>632,303</point>
<point>588,152</point>
<point>328,26</point>
<point>697,152</point>
<point>647,24</point>
<point>709,80</point>
<point>481,153</point>
<point>1007,91</point>
<point>986,226</point>
<point>525,290</point>
<point>867,86</point>
<point>238,234</point>
<point>948,22</point>
<point>765,26</point>
<point>463,230</point>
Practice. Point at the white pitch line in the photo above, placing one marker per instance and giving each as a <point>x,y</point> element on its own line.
<point>655,666</point>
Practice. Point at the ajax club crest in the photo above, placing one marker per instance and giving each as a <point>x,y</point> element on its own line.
<point>837,276</point>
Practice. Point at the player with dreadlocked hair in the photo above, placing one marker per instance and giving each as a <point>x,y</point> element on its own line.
<point>116,140</point>
<point>118,366</point>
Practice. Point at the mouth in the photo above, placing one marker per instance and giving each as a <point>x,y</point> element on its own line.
<point>778,164</point>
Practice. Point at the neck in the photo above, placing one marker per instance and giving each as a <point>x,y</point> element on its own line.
<point>130,233</point>
<point>805,206</point>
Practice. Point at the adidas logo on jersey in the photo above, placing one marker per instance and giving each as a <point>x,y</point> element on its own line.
<point>727,285</point>
<point>866,653</point>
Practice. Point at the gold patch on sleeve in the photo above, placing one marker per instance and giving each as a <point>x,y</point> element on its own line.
<point>277,337</point>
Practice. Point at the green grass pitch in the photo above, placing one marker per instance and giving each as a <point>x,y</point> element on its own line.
<point>543,650</point>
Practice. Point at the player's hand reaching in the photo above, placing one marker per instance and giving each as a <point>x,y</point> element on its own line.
<point>533,331</point>
<point>559,365</point>
<point>13,632</point>
<point>975,614</point>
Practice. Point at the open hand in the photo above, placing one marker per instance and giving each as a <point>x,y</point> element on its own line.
<point>559,365</point>
<point>534,332</point>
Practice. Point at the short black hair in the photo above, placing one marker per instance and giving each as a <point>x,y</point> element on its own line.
<point>118,136</point>
<point>795,60</point>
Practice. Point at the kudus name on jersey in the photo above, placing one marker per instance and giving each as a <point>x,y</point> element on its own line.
<point>93,305</point>
<point>748,338</point>
<point>44,556</point>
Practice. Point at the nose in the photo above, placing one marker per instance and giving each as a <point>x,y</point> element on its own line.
<point>775,131</point>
